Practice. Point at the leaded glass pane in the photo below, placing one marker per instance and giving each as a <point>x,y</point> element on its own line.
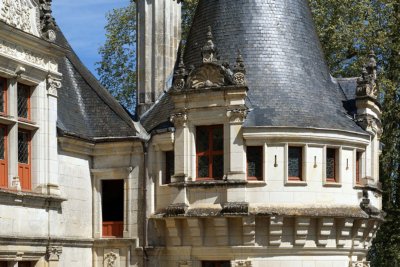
<point>202,139</point>
<point>22,98</point>
<point>218,141</point>
<point>294,164</point>
<point>203,163</point>
<point>218,166</point>
<point>254,161</point>
<point>330,163</point>
<point>2,102</point>
<point>23,147</point>
<point>2,143</point>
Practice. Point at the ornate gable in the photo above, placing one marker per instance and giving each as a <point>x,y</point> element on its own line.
<point>211,73</point>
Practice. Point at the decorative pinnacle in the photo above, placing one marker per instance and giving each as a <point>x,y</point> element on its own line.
<point>239,66</point>
<point>208,51</point>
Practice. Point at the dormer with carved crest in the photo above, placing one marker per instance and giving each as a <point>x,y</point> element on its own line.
<point>209,104</point>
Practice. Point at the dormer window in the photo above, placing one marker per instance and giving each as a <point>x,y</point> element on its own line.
<point>210,152</point>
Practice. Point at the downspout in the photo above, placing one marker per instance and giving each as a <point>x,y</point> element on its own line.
<point>144,204</point>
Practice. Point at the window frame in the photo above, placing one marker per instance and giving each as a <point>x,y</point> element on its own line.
<point>29,115</point>
<point>359,167</point>
<point>301,168</point>
<point>210,152</point>
<point>4,180</point>
<point>26,183</point>
<point>334,179</point>
<point>112,229</point>
<point>260,164</point>
<point>5,96</point>
<point>169,162</point>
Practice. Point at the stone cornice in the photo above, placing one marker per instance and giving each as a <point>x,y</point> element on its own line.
<point>30,199</point>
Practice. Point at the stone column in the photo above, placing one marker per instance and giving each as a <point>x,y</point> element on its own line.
<point>158,36</point>
<point>53,84</point>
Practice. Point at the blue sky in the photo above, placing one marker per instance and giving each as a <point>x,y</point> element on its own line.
<point>82,22</point>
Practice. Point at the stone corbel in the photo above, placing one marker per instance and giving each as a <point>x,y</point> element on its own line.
<point>179,119</point>
<point>301,230</point>
<point>276,230</point>
<point>325,227</point>
<point>54,253</point>
<point>344,231</point>
<point>53,84</point>
<point>370,124</point>
<point>237,115</point>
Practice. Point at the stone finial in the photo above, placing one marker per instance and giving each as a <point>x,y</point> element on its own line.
<point>239,70</point>
<point>180,73</point>
<point>366,84</point>
<point>209,51</point>
<point>47,21</point>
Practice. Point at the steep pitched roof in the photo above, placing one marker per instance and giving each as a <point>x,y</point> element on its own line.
<point>85,108</point>
<point>288,78</point>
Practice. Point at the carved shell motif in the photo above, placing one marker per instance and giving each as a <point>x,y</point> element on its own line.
<point>207,76</point>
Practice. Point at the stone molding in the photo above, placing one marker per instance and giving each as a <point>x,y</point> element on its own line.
<point>242,263</point>
<point>30,199</point>
<point>27,56</point>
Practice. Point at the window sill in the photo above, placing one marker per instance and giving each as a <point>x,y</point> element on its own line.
<point>7,119</point>
<point>209,183</point>
<point>332,184</point>
<point>29,199</point>
<point>295,183</point>
<point>27,125</point>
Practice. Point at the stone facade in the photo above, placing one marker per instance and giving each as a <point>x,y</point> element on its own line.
<point>169,214</point>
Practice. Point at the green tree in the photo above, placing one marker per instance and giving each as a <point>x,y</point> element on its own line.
<point>117,68</point>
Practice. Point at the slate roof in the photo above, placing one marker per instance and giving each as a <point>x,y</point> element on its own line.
<point>85,108</point>
<point>288,78</point>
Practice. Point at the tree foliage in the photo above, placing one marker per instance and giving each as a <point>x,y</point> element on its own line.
<point>117,68</point>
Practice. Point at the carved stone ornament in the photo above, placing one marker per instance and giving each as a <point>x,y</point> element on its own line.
<point>239,76</point>
<point>54,253</point>
<point>370,124</point>
<point>208,75</point>
<point>17,52</point>
<point>53,84</point>
<point>209,51</point>
<point>243,264</point>
<point>48,24</point>
<point>180,73</point>
<point>21,14</point>
<point>110,259</point>
<point>237,115</point>
<point>366,84</point>
<point>179,119</point>
<point>360,264</point>
<point>185,264</point>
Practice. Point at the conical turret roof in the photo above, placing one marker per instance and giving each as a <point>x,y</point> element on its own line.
<point>288,78</point>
